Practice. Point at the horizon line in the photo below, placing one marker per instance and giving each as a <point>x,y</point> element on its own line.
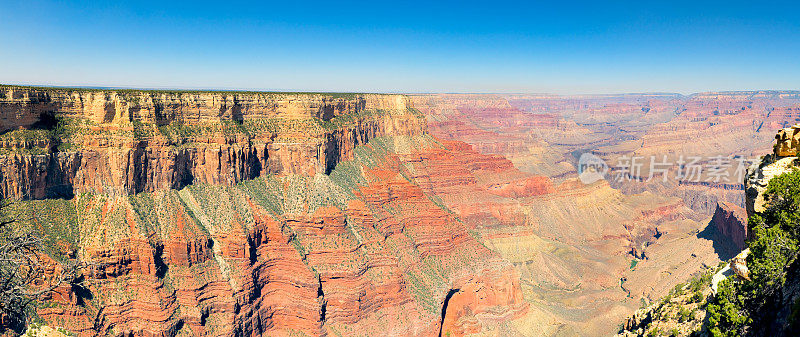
<point>303,91</point>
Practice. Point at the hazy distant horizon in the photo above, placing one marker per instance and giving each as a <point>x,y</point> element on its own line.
<point>271,90</point>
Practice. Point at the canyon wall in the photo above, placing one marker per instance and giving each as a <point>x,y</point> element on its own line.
<point>249,214</point>
<point>731,221</point>
<point>60,142</point>
<point>276,214</point>
<point>362,248</point>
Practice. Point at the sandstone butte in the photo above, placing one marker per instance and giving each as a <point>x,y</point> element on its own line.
<point>225,213</point>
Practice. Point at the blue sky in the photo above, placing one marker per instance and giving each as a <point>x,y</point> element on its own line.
<point>450,46</point>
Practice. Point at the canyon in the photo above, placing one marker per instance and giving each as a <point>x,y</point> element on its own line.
<point>250,213</point>
<point>764,303</point>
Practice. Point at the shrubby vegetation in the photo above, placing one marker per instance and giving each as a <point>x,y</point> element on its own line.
<point>748,307</point>
<point>58,132</point>
<point>679,313</point>
<point>26,271</point>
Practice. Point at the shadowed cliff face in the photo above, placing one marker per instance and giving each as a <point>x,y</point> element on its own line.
<point>59,142</point>
<point>731,222</point>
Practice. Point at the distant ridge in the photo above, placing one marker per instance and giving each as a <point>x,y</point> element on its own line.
<point>790,94</point>
<point>176,90</point>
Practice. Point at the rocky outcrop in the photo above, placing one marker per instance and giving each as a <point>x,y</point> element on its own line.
<point>739,264</point>
<point>61,142</point>
<point>787,142</point>
<point>731,221</point>
<point>782,160</point>
<point>681,313</point>
<point>491,295</point>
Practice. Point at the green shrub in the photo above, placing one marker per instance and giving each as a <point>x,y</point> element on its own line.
<point>697,297</point>
<point>684,314</point>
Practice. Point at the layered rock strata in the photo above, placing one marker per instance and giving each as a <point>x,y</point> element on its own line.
<point>61,142</point>
<point>360,249</point>
<point>482,229</point>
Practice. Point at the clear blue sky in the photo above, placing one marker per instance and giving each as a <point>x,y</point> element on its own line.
<point>425,46</point>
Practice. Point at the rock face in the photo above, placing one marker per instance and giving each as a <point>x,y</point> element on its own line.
<point>739,264</point>
<point>60,142</point>
<point>731,221</point>
<point>782,160</point>
<point>787,141</point>
<point>758,177</point>
<point>477,298</point>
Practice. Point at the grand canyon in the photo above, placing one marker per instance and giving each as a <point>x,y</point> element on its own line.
<point>223,213</point>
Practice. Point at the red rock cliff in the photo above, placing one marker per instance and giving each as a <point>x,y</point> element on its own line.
<point>250,214</point>
<point>59,142</point>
